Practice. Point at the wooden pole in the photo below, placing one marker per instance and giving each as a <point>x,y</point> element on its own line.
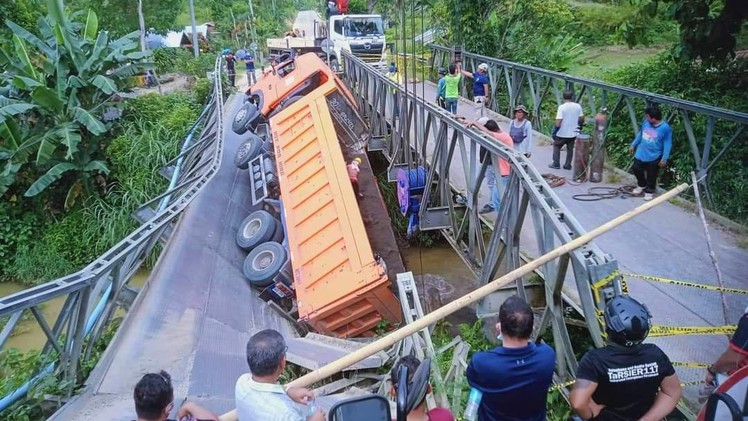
<point>712,255</point>
<point>469,298</point>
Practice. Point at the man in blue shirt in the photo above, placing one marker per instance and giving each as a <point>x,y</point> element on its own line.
<point>480,86</point>
<point>651,150</point>
<point>514,378</point>
<point>441,89</point>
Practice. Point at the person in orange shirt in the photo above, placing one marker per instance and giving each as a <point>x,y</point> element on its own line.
<point>353,169</point>
<point>500,166</point>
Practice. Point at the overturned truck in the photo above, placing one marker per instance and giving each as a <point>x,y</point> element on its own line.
<point>309,252</point>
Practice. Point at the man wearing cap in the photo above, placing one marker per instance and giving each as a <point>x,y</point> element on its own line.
<point>441,89</point>
<point>480,85</point>
<point>520,129</point>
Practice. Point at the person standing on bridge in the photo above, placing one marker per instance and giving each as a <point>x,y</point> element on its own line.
<point>499,166</point>
<point>394,76</point>
<point>249,62</point>
<point>520,129</point>
<point>258,395</point>
<point>480,85</point>
<point>231,68</point>
<point>452,88</point>
<point>626,379</point>
<point>441,89</point>
<point>569,118</point>
<point>154,401</point>
<point>513,378</point>
<point>651,150</point>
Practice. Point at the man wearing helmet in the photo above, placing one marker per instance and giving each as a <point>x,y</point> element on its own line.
<point>626,379</point>
<point>353,169</point>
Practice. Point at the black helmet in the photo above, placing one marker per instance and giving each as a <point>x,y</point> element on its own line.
<point>441,71</point>
<point>627,321</point>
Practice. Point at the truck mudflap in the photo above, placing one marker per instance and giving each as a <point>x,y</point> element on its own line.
<point>341,289</point>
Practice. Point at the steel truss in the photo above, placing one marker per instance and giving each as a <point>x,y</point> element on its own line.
<point>449,152</point>
<point>512,84</point>
<point>94,293</point>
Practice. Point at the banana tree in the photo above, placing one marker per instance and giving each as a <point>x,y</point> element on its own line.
<point>54,89</point>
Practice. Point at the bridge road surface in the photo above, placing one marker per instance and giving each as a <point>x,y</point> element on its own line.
<point>666,241</point>
<point>196,312</point>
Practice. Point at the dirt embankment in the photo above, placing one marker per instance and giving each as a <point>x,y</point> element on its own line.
<point>377,221</point>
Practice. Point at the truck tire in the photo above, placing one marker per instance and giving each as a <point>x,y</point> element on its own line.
<point>285,104</point>
<point>257,228</point>
<point>244,118</point>
<point>334,65</point>
<point>278,235</point>
<point>248,150</point>
<point>264,263</point>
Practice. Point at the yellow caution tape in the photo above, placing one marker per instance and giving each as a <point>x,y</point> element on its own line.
<point>686,284</point>
<point>564,385</point>
<point>660,331</point>
<point>690,365</point>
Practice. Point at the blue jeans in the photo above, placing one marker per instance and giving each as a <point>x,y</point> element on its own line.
<point>490,182</point>
<point>498,191</point>
<point>452,105</point>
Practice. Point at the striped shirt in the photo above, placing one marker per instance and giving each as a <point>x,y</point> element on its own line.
<point>264,402</point>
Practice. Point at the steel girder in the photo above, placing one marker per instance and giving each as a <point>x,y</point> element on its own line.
<point>512,84</point>
<point>93,293</point>
<point>449,152</point>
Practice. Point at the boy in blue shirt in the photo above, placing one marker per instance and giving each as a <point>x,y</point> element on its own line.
<point>441,89</point>
<point>651,150</point>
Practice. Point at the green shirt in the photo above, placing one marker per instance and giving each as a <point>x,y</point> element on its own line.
<point>453,86</point>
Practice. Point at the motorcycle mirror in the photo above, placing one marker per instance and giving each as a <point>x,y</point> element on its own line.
<point>361,408</point>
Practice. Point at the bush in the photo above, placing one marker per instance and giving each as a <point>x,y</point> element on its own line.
<point>18,226</point>
<point>608,24</point>
<point>722,87</point>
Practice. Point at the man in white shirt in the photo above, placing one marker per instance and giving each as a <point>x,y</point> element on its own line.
<point>569,118</point>
<point>258,395</point>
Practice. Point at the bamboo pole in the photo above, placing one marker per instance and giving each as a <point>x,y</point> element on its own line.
<point>469,298</point>
<point>712,254</point>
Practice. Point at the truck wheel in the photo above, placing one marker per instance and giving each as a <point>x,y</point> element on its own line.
<point>284,105</point>
<point>334,65</point>
<point>243,119</point>
<point>248,150</point>
<point>257,228</point>
<point>264,263</point>
<point>278,235</point>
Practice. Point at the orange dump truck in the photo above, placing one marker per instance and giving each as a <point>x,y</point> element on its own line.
<point>323,268</point>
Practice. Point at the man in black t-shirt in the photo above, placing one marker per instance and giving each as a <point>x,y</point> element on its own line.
<point>154,401</point>
<point>736,355</point>
<point>625,380</point>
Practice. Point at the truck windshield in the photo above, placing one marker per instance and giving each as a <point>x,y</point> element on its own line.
<point>362,27</point>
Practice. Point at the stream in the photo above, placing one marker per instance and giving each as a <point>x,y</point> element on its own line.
<point>27,335</point>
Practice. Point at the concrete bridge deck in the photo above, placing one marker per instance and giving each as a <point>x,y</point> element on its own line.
<point>196,314</point>
<point>667,242</point>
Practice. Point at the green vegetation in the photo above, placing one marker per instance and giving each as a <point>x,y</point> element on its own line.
<point>723,86</point>
<point>16,368</point>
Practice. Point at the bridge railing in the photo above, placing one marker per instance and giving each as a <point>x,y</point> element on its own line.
<point>93,294</point>
<point>710,131</point>
<point>425,135</point>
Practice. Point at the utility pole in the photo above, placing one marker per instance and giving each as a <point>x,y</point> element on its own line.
<point>195,46</point>
<point>254,33</point>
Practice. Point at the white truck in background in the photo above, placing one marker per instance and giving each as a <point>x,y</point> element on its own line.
<point>361,35</point>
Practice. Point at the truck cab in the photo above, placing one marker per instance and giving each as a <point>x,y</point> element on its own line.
<point>281,86</point>
<point>361,35</point>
